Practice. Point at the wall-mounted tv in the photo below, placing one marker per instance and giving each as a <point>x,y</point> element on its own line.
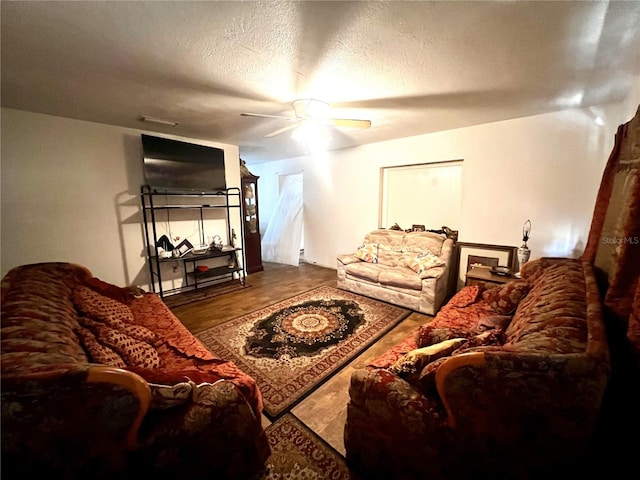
<point>173,166</point>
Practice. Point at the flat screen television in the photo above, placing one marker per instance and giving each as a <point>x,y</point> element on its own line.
<point>173,166</point>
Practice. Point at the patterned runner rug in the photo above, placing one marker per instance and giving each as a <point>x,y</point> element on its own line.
<point>293,346</point>
<point>299,454</point>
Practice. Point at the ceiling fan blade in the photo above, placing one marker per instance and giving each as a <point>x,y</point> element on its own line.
<point>281,130</point>
<point>349,122</point>
<point>260,115</point>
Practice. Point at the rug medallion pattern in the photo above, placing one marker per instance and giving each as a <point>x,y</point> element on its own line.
<point>293,346</point>
<point>304,329</point>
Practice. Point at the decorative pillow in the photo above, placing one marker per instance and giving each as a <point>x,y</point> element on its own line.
<point>426,380</point>
<point>98,353</point>
<point>415,360</point>
<point>141,333</point>
<point>424,262</point>
<point>429,335</point>
<point>505,298</point>
<point>367,252</point>
<point>99,306</point>
<point>136,331</point>
<point>135,353</point>
<point>466,296</point>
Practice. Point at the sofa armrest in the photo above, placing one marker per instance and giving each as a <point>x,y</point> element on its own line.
<point>383,409</point>
<point>216,431</point>
<point>347,259</point>
<point>70,417</point>
<point>435,272</point>
<point>501,394</point>
<point>130,381</point>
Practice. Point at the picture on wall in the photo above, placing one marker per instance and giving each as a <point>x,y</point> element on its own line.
<point>407,194</point>
<point>470,254</point>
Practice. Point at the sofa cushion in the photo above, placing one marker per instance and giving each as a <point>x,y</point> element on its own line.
<point>419,242</point>
<point>423,262</point>
<point>553,316</point>
<point>347,259</point>
<point>150,311</point>
<point>504,299</point>
<point>389,245</point>
<point>417,359</point>
<point>425,380</point>
<point>466,296</point>
<point>99,306</point>
<point>367,252</point>
<point>533,269</point>
<point>134,352</point>
<point>389,255</point>
<point>400,277</point>
<point>97,352</point>
<point>136,331</point>
<point>364,270</point>
<point>432,334</point>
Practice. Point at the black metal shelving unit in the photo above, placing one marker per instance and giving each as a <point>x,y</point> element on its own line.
<point>229,200</point>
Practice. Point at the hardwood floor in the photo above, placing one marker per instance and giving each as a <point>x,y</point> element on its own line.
<point>324,410</point>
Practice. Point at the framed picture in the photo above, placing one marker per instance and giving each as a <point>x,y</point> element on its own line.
<point>184,247</point>
<point>418,228</point>
<point>470,254</point>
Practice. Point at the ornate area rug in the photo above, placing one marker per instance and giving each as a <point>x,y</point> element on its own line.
<point>292,346</point>
<point>298,453</point>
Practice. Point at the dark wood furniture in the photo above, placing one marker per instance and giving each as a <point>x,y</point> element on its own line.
<point>251,222</point>
<point>478,276</point>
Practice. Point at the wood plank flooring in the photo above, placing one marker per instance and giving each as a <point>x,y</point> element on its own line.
<point>324,410</point>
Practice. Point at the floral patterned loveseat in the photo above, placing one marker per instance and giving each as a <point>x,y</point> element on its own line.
<point>503,383</point>
<point>100,383</point>
<point>409,269</point>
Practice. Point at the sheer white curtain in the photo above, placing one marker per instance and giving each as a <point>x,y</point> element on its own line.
<point>281,240</point>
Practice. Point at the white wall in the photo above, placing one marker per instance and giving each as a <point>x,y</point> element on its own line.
<point>71,193</point>
<point>545,168</point>
<point>70,189</point>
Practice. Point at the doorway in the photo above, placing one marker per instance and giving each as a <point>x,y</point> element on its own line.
<point>283,240</point>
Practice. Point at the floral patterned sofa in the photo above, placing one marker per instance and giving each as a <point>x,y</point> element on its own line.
<point>409,269</point>
<point>505,382</point>
<point>100,382</point>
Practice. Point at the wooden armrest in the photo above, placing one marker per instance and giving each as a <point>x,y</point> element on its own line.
<point>132,382</point>
<point>448,366</point>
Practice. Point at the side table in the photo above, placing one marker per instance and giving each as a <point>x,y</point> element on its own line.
<point>478,276</point>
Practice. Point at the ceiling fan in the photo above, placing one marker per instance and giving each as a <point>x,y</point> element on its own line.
<point>308,110</point>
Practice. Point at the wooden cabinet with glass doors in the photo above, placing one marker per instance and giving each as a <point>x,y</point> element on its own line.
<point>251,222</point>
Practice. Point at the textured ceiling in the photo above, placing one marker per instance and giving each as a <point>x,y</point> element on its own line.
<point>409,67</point>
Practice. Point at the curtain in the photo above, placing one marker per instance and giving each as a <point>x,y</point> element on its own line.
<point>281,240</point>
<point>613,247</point>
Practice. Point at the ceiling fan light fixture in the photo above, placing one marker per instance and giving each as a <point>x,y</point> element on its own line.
<point>312,135</point>
<point>310,108</point>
